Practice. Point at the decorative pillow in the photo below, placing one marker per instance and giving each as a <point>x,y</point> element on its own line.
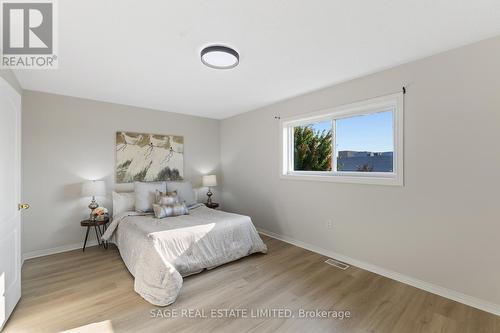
<point>166,198</point>
<point>176,209</point>
<point>123,202</point>
<point>145,195</point>
<point>184,190</point>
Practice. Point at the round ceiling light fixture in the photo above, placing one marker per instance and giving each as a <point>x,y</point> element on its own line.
<point>220,57</point>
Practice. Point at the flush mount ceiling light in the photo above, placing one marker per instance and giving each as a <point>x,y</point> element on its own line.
<point>220,57</point>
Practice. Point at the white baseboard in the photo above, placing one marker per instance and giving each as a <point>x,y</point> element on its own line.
<point>54,250</point>
<point>432,288</point>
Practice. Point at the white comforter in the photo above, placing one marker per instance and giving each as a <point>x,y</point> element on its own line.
<point>159,252</point>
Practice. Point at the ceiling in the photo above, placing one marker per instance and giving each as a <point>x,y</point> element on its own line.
<point>146,53</point>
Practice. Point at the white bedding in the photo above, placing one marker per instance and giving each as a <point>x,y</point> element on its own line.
<point>159,252</point>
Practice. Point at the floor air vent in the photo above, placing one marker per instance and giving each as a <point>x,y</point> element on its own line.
<point>338,264</point>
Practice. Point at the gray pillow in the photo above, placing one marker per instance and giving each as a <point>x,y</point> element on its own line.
<point>184,191</point>
<point>145,195</point>
<point>176,209</point>
<point>166,198</point>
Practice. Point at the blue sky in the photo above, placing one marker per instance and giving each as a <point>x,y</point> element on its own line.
<point>363,133</point>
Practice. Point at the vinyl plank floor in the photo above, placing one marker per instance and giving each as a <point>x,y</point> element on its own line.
<point>93,292</point>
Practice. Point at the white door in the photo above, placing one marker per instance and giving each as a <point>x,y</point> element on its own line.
<point>10,192</point>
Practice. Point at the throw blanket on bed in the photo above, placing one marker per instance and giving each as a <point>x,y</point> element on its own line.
<point>159,252</point>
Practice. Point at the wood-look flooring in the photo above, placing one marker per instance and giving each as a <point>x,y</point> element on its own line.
<point>93,292</point>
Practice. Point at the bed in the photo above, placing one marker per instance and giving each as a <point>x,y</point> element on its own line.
<point>160,252</point>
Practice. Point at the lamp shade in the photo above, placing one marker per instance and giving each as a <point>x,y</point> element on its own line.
<point>209,180</point>
<point>94,188</point>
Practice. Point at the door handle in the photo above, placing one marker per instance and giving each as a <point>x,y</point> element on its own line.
<point>22,206</point>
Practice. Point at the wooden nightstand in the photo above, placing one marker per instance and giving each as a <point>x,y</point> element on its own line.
<point>213,205</point>
<point>99,228</point>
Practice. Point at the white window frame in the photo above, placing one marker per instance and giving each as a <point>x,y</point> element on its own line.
<point>392,102</point>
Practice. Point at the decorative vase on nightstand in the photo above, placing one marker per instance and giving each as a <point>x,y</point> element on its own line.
<point>100,214</point>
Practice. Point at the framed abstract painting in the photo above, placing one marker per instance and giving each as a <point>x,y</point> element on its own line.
<point>148,157</point>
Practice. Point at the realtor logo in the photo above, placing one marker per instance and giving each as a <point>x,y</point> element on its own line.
<point>28,34</point>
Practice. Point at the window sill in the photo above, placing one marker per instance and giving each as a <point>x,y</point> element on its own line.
<point>370,180</point>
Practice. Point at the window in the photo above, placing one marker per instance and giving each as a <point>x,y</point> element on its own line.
<point>365,143</point>
<point>359,143</point>
<point>312,144</point>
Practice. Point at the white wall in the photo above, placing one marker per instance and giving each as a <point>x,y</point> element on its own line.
<point>443,226</point>
<point>9,76</point>
<point>67,140</point>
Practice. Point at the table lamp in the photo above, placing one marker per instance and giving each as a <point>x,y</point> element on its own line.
<point>93,188</point>
<point>209,181</point>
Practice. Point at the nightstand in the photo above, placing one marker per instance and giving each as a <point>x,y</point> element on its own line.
<point>212,205</point>
<point>99,228</point>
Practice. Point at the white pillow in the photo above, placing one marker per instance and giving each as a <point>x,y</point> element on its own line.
<point>145,195</point>
<point>123,202</point>
<point>184,191</point>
